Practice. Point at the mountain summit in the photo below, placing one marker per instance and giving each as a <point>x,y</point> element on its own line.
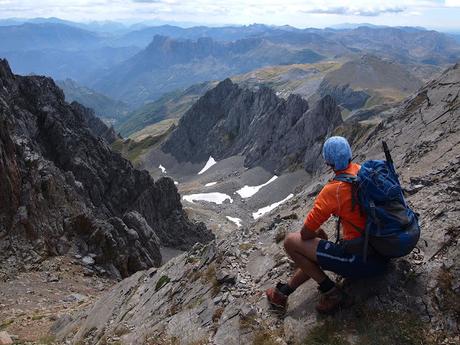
<point>268,131</point>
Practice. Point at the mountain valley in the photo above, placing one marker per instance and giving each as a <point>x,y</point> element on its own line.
<point>145,193</point>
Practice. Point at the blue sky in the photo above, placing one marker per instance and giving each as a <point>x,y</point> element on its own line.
<point>437,14</point>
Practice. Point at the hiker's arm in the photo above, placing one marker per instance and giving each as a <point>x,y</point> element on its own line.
<point>321,211</point>
<point>308,234</point>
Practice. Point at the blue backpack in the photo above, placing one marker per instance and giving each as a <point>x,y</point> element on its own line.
<point>392,228</point>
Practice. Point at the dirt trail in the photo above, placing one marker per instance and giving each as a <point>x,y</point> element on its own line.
<point>31,302</point>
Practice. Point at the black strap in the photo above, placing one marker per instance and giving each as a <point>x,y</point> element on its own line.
<point>337,228</point>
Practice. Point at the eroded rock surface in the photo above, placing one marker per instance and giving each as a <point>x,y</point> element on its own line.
<point>62,187</point>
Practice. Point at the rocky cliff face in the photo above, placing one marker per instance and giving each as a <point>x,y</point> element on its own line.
<point>214,294</point>
<point>271,132</point>
<point>95,124</point>
<point>63,188</point>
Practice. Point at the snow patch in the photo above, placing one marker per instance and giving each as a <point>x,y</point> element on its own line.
<point>260,212</point>
<point>248,191</point>
<point>208,164</point>
<point>210,184</point>
<point>162,168</point>
<point>217,198</point>
<point>235,220</point>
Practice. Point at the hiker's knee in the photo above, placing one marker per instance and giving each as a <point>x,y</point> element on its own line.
<point>290,242</point>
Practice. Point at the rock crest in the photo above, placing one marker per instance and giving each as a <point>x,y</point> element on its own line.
<point>62,188</point>
<point>274,133</point>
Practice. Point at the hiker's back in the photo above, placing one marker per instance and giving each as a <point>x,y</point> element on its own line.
<point>336,198</point>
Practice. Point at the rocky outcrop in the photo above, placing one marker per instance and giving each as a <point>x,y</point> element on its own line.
<point>123,246</point>
<point>95,124</point>
<point>62,185</point>
<point>344,95</point>
<point>271,132</point>
<point>214,294</point>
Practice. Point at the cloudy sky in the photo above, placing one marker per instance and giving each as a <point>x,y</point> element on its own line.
<point>437,14</point>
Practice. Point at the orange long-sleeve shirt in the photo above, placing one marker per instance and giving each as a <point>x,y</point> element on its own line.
<point>335,199</point>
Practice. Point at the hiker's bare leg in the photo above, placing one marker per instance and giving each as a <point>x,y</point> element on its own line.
<point>304,255</point>
<point>298,278</point>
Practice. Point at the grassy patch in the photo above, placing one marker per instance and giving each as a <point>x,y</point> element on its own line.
<point>326,333</point>
<point>195,303</point>
<point>172,341</point>
<point>162,282</point>
<point>246,246</point>
<point>47,340</point>
<point>210,277</point>
<point>5,324</point>
<point>248,322</point>
<point>371,327</point>
<point>134,149</point>
<point>37,317</point>
<point>266,337</point>
<point>263,335</point>
<point>207,276</point>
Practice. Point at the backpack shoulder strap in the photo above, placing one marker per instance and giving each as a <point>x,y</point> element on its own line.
<point>349,178</point>
<point>352,179</point>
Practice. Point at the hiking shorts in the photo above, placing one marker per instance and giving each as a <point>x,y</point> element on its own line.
<point>332,257</point>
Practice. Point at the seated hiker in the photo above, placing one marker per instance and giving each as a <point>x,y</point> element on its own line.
<point>310,249</point>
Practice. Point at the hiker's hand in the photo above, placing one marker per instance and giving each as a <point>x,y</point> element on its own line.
<point>321,234</point>
<point>306,234</point>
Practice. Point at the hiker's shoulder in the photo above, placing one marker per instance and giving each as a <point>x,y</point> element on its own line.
<point>329,189</point>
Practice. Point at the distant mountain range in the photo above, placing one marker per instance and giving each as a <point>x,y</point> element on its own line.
<point>104,107</point>
<point>365,83</point>
<point>38,36</point>
<point>168,64</point>
<point>138,68</point>
<point>85,53</point>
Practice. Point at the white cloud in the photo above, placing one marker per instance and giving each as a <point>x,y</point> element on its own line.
<point>453,3</point>
<point>294,12</point>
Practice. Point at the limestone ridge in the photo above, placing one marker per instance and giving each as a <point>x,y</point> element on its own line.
<point>213,294</point>
<point>62,188</point>
<point>95,124</point>
<point>269,131</point>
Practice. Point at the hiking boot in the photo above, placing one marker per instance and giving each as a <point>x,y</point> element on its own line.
<point>332,300</point>
<point>276,298</point>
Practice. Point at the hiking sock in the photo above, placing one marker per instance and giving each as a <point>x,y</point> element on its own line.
<point>326,285</point>
<point>285,289</point>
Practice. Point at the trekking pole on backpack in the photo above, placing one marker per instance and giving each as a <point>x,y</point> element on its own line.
<point>388,158</point>
<point>387,153</point>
